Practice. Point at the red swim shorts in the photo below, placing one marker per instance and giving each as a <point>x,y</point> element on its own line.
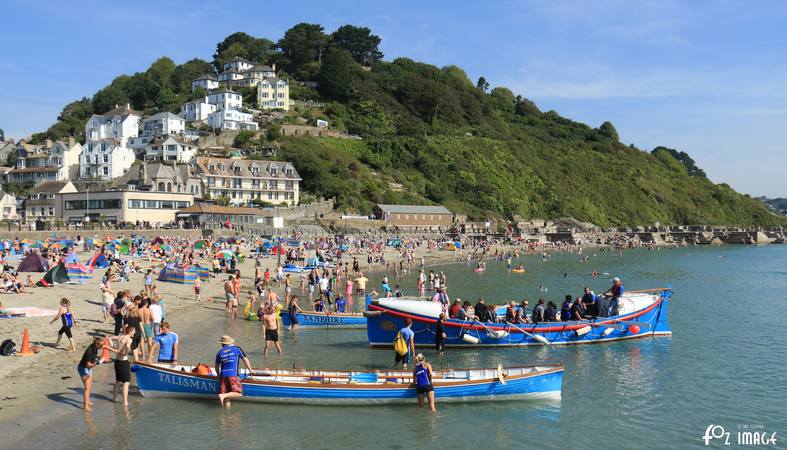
<point>230,384</point>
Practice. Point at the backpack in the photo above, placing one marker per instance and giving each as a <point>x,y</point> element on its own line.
<point>400,346</point>
<point>7,347</point>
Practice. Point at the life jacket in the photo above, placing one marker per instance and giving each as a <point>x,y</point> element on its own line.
<point>400,346</point>
<point>535,317</point>
<point>565,314</point>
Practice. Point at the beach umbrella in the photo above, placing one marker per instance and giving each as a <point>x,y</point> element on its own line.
<point>126,241</point>
<point>157,240</point>
<point>199,244</point>
<point>55,246</point>
<point>124,249</point>
<point>166,247</point>
<point>225,254</point>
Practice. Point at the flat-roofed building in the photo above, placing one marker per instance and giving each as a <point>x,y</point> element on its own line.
<point>412,216</point>
<point>202,214</point>
<point>121,206</point>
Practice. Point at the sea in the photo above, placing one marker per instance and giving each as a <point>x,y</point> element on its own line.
<point>722,371</point>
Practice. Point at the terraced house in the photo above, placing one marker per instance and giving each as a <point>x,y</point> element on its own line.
<point>243,181</point>
<point>51,161</point>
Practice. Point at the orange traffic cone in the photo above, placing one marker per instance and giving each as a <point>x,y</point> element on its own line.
<point>105,351</point>
<point>25,351</point>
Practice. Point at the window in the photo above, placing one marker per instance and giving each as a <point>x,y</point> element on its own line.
<point>288,185</point>
<point>87,171</point>
<point>161,186</point>
<point>211,181</point>
<point>273,184</point>
<point>51,211</point>
<point>106,170</point>
<point>270,195</point>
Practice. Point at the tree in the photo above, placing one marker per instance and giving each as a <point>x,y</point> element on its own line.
<point>608,130</point>
<point>301,44</point>
<point>369,118</point>
<point>2,135</point>
<point>338,74</point>
<point>359,41</point>
<point>185,73</point>
<point>502,99</point>
<point>684,158</point>
<point>108,98</point>
<point>274,132</point>
<point>258,50</point>
<point>243,138</point>
<point>482,84</point>
<point>222,200</point>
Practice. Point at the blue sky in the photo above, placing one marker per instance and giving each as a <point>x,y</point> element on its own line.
<point>707,77</point>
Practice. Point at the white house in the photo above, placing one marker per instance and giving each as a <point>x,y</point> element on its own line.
<point>120,124</point>
<point>51,161</point>
<point>273,93</point>
<point>231,119</point>
<point>7,206</point>
<point>105,159</point>
<point>238,64</point>
<point>225,99</point>
<point>170,148</point>
<point>163,124</point>
<point>197,110</point>
<point>106,154</point>
<point>207,82</point>
<point>229,76</point>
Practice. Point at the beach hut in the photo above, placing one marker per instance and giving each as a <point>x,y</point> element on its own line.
<point>33,263</point>
<point>174,273</point>
<point>78,273</point>
<point>57,274</point>
<point>98,260</point>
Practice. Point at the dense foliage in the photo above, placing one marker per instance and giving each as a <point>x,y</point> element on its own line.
<point>431,135</point>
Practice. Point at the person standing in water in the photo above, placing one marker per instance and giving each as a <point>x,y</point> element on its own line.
<point>123,344</point>
<point>67,317</point>
<point>271,323</point>
<point>227,365</point>
<point>422,373</point>
<point>293,309</point>
<point>90,359</point>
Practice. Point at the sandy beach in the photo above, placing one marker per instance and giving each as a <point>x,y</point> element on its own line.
<point>26,402</point>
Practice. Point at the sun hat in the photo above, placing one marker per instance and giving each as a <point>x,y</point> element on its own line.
<point>226,340</point>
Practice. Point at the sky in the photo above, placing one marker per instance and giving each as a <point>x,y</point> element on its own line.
<point>705,77</point>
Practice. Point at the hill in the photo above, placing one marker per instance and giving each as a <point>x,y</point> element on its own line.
<point>431,135</point>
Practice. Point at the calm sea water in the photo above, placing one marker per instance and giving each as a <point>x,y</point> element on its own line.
<point>723,365</point>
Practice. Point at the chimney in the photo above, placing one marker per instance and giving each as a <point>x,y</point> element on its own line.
<point>273,67</point>
<point>48,143</point>
<point>128,105</point>
<point>71,141</point>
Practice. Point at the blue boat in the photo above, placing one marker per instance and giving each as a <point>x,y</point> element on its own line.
<point>641,314</point>
<point>321,319</point>
<point>356,388</point>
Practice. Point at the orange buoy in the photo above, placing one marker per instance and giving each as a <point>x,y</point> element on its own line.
<point>634,329</point>
<point>105,350</point>
<point>25,351</point>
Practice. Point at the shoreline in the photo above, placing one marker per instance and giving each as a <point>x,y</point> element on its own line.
<point>26,408</point>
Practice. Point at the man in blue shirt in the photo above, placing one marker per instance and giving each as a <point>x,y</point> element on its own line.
<point>227,362</point>
<point>409,338</point>
<point>167,342</point>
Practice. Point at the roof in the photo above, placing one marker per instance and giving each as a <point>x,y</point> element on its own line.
<point>260,68</point>
<point>52,187</point>
<point>203,208</point>
<point>206,76</point>
<point>222,91</point>
<point>245,165</point>
<point>154,171</point>
<point>273,79</point>
<point>173,137</point>
<point>37,169</point>
<point>414,209</point>
<point>162,115</point>
<point>238,58</point>
<point>40,202</point>
<point>121,111</point>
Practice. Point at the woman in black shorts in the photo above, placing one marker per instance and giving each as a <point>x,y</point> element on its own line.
<point>69,319</point>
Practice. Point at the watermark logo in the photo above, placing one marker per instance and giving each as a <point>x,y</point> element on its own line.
<point>754,435</point>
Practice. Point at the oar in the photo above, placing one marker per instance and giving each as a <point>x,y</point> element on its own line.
<point>491,333</point>
<point>536,337</point>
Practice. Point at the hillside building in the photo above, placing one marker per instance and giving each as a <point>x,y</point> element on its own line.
<point>243,181</point>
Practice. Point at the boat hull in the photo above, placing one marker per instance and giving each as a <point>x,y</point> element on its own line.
<point>154,381</point>
<point>647,322</point>
<point>309,319</point>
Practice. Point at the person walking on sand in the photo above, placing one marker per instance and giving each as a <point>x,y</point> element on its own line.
<point>107,298</point>
<point>226,365</point>
<point>271,323</point>
<point>123,346</point>
<point>90,359</point>
<point>422,373</point>
<point>197,289</point>
<point>68,319</point>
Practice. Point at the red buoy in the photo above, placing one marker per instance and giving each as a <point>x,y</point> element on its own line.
<point>634,329</point>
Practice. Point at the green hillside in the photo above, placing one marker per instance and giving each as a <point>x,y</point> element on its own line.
<point>443,138</point>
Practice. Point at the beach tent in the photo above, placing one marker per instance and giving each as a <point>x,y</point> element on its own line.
<point>78,273</point>
<point>72,258</point>
<point>33,263</point>
<point>202,272</point>
<point>174,273</point>
<point>98,260</point>
<point>199,244</point>
<point>57,274</point>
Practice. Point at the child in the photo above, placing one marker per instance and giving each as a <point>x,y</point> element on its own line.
<point>149,282</point>
<point>340,304</point>
<point>30,282</point>
<point>197,289</point>
<point>67,317</point>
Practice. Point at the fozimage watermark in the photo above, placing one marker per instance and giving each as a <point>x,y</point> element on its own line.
<point>744,434</point>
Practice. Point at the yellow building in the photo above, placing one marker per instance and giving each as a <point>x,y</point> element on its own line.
<point>273,93</point>
<point>157,208</point>
<point>242,181</point>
